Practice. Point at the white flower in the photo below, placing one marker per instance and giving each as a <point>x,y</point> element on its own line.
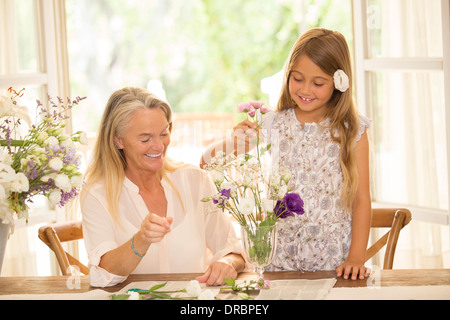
<point>218,176</point>
<point>282,191</point>
<point>83,138</point>
<point>133,295</point>
<point>7,173</point>
<point>6,106</point>
<point>247,180</point>
<point>37,151</point>
<point>22,214</point>
<point>68,144</point>
<point>285,175</point>
<point>246,206</point>
<point>56,164</point>
<point>193,289</point>
<point>341,81</point>
<point>42,136</point>
<point>3,195</point>
<point>51,141</point>
<point>5,157</point>
<point>76,181</point>
<point>54,197</point>
<point>268,205</point>
<point>62,181</point>
<point>48,176</point>
<point>20,183</point>
<point>240,159</point>
<point>206,295</point>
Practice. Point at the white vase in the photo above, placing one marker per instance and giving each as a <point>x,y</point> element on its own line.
<point>4,234</point>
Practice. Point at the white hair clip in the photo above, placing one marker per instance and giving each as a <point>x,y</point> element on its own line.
<point>341,81</point>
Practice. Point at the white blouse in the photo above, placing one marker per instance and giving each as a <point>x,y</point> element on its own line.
<point>187,248</point>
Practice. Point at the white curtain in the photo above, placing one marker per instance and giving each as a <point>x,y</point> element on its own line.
<point>409,130</point>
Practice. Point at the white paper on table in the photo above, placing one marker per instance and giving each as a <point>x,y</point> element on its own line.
<point>96,294</point>
<point>391,293</point>
<point>299,289</point>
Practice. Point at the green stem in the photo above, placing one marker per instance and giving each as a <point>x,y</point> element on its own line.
<point>14,143</point>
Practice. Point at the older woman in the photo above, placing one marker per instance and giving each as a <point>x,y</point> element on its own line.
<point>141,211</point>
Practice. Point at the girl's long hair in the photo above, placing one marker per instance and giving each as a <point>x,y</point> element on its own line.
<point>329,51</point>
<point>108,163</point>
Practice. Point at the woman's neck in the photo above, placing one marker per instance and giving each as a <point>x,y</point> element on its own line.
<point>144,180</point>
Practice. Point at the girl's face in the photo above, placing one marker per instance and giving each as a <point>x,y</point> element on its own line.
<point>311,89</point>
<point>146,141</point>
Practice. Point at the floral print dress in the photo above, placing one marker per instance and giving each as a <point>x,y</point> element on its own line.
<point>320,238</point>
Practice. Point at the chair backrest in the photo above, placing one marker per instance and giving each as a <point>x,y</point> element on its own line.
<point>54,234</point>
<point>395,219</point>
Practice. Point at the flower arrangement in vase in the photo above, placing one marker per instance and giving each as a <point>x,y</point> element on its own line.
<point>43,161</point>
<point>253,193</point>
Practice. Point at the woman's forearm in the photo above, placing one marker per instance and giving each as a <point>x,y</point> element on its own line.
<point>123,260</point>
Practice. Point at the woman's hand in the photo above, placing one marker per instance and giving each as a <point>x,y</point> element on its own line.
<point>352,268</point>
<point>154,228</point>
<point>225,268</point>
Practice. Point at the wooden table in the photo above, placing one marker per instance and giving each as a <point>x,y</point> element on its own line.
<point>64,284</point>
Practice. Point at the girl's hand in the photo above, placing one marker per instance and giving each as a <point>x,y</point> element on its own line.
<point>354,269</point>
<point>154,228</point>
<point>244,132</point>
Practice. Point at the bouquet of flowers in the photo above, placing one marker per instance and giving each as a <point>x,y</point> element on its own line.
<point>251,192</point>
<point>254,194</point>
<point>42,161</point>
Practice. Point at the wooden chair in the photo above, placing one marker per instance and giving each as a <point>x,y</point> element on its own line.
<point>395,219</point>
<point>54,234</point>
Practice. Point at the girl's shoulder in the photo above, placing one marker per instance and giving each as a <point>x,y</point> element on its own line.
<point>275,116</point>
<point>364,124</point>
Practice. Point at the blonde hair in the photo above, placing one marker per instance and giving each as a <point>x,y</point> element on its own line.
<point>108,163</point>
<point>329,51</point>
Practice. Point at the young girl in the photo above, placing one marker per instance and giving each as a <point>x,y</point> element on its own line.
<point>319,137</point>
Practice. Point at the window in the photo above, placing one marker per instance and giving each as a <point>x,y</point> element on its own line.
<point>402,63</point>
<point>32,56</point>
<point>204,57</point>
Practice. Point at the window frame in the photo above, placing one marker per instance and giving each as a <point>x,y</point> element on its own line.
<point>364,65</point>
<point>53,69</point>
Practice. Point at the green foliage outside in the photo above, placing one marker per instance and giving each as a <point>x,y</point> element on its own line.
<point>209,54</point>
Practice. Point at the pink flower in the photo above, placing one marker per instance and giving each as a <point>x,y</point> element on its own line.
<point>245,107</point>
<point>264,110</point>
<point>263,284</point>
<point>256,104</point>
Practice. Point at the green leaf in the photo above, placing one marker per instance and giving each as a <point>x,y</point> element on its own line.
<point>160,295</point>
<point>158,286</point>
<point>120,296</point>
<point>265,149</point>
<point>245,296</point>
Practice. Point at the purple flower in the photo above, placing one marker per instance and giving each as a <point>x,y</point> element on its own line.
<point>224,196</point>
<point>291,203</point>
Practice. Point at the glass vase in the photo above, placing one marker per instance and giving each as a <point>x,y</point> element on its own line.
<point>259,244</point>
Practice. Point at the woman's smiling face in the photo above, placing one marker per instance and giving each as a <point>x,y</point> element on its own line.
<point>311,89</point>
<point>145,142</point>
